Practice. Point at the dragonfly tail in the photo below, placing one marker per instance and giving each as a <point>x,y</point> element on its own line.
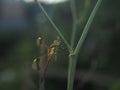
<point>44,71</point>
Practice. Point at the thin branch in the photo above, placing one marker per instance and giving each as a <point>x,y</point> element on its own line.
<point>83,14</point>
<point>73,58</point>
<point>86,29</point>
<point>74,30</point>
<point>71,72</point>
<point>54,25</point>
<point>74,26</point>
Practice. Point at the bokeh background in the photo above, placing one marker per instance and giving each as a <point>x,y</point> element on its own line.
<point>21,23</point>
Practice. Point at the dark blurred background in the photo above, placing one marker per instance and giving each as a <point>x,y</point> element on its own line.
<point>21,23</point>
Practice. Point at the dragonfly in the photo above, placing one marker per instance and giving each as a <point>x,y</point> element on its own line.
<point>51,55</point>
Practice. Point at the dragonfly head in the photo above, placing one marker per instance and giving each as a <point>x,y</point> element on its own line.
<point>56,42</point>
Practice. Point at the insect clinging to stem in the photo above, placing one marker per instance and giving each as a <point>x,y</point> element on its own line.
<point>51,54</point>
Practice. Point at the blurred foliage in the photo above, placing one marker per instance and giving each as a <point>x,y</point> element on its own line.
<point>116,86</point>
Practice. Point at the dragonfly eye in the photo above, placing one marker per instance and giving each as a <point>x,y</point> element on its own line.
<point>56,42</point>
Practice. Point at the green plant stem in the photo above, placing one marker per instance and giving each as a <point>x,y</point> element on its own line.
<point>83,15</point>
<point>71,72</point>
<point>54,25</point>
<point>74,26</point>
<point>73,59</point>
<point>86,29</point>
